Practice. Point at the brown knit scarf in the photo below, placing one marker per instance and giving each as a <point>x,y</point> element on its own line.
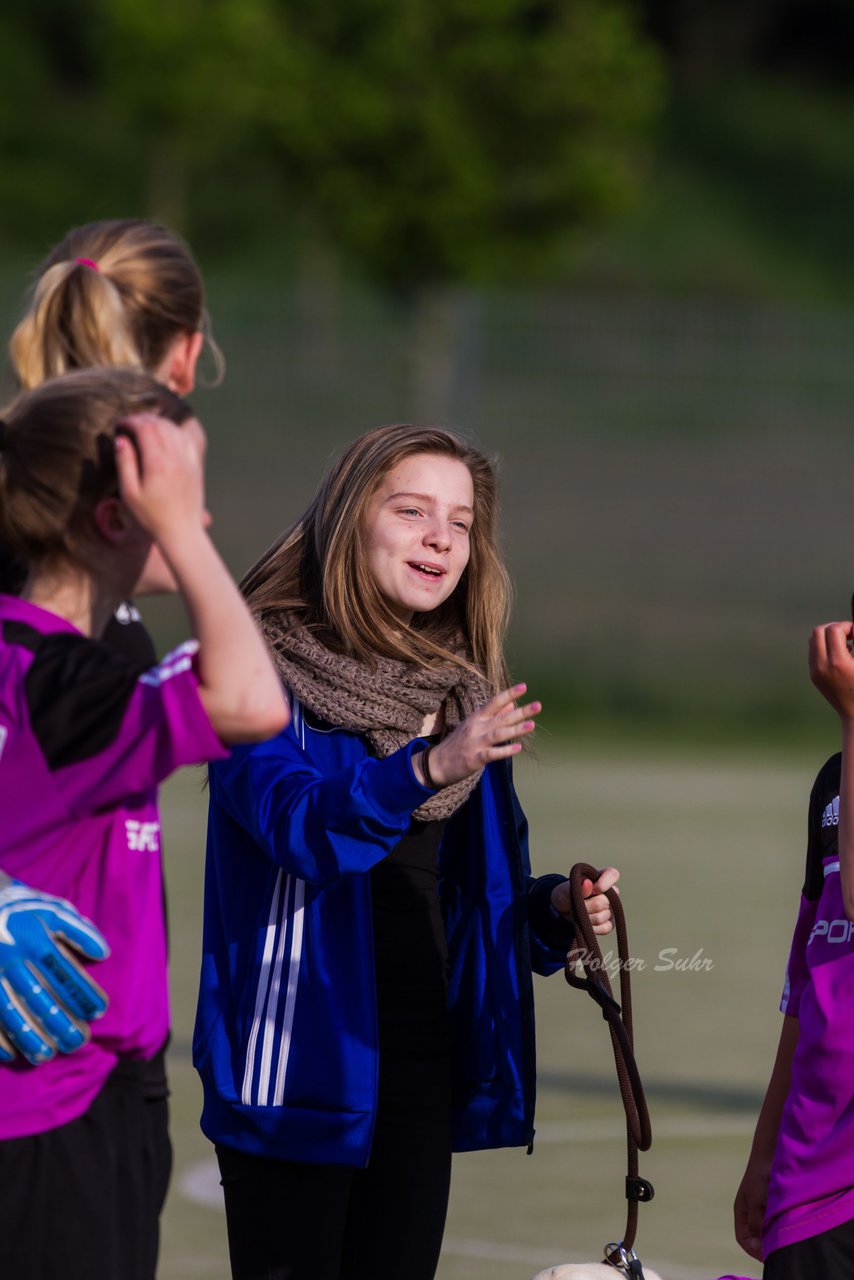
<point>388,704</point>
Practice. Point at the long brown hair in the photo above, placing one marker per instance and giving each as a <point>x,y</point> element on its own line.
<point>57,458</point>
<point>317,570</point>
<point>115,292</point>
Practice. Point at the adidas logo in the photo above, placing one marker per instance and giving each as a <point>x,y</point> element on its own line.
<point>830,817</point>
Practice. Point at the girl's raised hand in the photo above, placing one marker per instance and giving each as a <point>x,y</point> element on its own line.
<point>161,472</point>
<point>489,733</point>
<point>832,666</point>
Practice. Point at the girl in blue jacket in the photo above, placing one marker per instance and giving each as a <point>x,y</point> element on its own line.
<point>371,922</point>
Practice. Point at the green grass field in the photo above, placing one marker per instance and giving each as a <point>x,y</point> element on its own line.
<point>711,853</point>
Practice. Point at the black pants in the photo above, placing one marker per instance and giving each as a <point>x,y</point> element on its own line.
<point>828,1256</point>
<point>293,1221</point>
<point>83,1201</point>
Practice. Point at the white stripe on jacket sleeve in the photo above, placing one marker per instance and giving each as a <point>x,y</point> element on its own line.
<point>266,960</point>
<point>268,993</point>
<point>291,996</point>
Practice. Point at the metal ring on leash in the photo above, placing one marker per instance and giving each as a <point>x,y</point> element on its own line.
<point>625,1260</point>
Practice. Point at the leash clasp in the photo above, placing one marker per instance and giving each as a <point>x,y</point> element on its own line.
<point>625,1260</point>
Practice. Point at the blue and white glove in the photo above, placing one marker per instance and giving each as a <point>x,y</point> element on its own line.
<point>46,998</point>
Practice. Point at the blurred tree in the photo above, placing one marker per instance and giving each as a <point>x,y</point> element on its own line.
<point>425,143</point>
<point>442,143</point>
<point>424,139</point>
<point>460,139</point>
<point>185,76</point>
<point>428,145</point>
<point>60,154</point>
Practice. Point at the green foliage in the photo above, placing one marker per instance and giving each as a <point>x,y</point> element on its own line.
<point>60,153</point>
<point>188,67</point>
<point>752,197</point>
<point>460,140</point>
<point>420,140</point>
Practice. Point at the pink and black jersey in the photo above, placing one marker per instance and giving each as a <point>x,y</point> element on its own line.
<point>812,1179</point>
<point>84,741</point>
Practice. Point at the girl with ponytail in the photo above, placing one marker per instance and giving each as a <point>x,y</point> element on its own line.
<point>121,292</point>
<point>124,292</point>
<point>101,494</point>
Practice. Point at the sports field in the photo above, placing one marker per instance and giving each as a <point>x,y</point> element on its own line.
<point>711,852</point>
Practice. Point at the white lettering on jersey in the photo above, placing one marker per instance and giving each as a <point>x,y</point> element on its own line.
<point>181,659</point>
<point>830,817</point>
<point>833,930</point>
<point>4,733</point>
<point>143,837</point>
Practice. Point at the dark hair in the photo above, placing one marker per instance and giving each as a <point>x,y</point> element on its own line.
<point>57,458</point>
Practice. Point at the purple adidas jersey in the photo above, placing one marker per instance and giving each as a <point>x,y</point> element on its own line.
<point>84,741</point>
<point>812,1178</point>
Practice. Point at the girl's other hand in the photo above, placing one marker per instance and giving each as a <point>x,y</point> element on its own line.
<point>161,472</point>
<point>489,733</point>
<point>832,665</point>
<point>595,899</point>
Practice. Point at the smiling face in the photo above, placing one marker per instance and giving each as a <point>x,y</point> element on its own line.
<point>416,530</point>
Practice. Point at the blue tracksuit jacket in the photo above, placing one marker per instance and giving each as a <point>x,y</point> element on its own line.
<point>286,1031</point>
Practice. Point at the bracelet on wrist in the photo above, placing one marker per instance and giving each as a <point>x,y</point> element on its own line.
<point>425,765</point>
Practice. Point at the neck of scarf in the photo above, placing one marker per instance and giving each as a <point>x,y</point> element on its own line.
<point>387,702</point>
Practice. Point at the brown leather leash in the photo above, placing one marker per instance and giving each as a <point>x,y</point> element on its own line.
<point>587,953</point>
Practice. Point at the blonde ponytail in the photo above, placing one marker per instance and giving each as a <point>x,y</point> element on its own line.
<point>111,293</point>
<point>77,320</point>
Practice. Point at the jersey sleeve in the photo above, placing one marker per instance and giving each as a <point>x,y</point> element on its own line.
<point>797,973</point>
<point>107,734</point>
<point>796,969</point>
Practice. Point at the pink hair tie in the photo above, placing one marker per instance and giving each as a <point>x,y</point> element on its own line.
<point>87,262</point>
